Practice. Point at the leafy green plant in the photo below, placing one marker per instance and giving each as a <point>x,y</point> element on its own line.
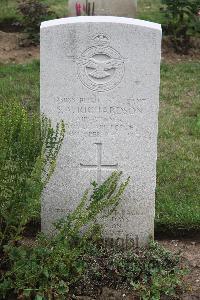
<point>27,160</point>
<point>181,22</point>
<point>34,12</point>
<point>150,272</point>
<point>48,270</point>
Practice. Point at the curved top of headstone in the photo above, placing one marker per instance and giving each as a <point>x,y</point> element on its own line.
<point>101,19</point>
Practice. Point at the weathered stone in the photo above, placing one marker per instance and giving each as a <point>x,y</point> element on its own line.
<point>120,8</point>
<point>101,76</point>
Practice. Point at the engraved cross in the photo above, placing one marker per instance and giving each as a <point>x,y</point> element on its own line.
<point>99,166</point>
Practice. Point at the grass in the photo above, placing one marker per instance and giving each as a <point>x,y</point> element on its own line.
<point>60,7</point>
<point>178,189</point>
<point>20,82</point>
<point>150,10</point>
<point>8,11</point>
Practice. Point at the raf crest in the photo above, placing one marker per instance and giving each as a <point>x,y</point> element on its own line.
<point>100,67</point>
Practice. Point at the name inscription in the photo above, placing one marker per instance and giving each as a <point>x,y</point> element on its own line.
<point>97,116</point>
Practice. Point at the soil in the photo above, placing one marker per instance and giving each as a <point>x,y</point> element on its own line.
<point>189,250</point>
<point>13,49</point>
<point>169,55</point>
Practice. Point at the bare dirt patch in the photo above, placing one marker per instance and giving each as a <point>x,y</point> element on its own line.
<point>12,52</point>
<point>170,56</point>
<point>190,253</point>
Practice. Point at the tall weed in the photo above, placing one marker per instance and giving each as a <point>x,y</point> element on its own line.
<point>27,160</point>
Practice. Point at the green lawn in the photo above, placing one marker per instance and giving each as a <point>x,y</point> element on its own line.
<point>178,188</point>
<point>20,82</point>
<point>150,10</point>
<point>8,11</point>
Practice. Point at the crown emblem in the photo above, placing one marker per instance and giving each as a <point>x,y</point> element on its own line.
<point>101,39</point>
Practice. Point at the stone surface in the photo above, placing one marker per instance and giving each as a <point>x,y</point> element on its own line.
<point>121,8</point>
<point>101,76</point>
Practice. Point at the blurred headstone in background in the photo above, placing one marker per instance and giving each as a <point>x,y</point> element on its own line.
<point>121,8</point>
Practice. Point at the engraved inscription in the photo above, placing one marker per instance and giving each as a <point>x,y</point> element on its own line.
<point>100,68</point>
<point>99,166</point>
<point>94,105</point>
<point>100,115</point>
<point>123,243</point>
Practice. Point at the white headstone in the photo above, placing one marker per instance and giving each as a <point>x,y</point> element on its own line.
<point>121,8</point>
<point>101,76</point>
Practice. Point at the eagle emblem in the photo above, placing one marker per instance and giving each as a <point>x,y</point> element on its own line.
<point>100,67</point>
